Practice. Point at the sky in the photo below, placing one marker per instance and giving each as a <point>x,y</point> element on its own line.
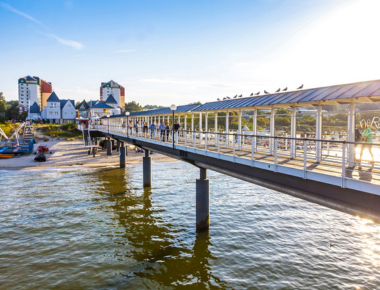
<point>178,52</point>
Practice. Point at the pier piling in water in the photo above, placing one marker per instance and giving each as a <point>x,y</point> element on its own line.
<point>122,155</point>
<point>117,145</point>
<point>109,146</point>
<point>147,169</point>
<point>202,201</point>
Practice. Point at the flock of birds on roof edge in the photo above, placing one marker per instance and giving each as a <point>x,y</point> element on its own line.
<point>240,96</point>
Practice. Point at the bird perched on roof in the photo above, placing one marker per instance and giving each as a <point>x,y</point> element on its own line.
<point>266,92</point>
<point>218,99</point>
<point>285,89</point>
<point>258,94</point>
<point>278,90</point>
<point>228,98</point>
<point>235,97</point>
<point>251,95</point>
<point>300,87</point>
<point>224,99</point>
<point>240,96</point>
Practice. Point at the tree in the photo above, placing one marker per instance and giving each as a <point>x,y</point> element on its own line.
<point>133,107</point>
<point>3,104</point>
<point>151,107</point>
<point>12,112</point>
<point>77,104</point>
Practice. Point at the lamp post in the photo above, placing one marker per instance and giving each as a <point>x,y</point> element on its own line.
<point>108,121</point>
<point>127,114</point>
<point>173,108</point>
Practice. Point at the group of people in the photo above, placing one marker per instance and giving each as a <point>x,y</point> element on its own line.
<point>366,137</point>
<point>163,128</point>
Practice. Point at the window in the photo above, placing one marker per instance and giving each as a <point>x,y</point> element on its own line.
<point>53,105</point>
<point>50,113</point>
<point>56,113</point>
<point>22,94</point>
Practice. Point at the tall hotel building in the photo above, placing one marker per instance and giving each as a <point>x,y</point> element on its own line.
<point>33,90</point>
<point>114,89</point>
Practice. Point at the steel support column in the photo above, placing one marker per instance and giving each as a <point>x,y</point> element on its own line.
<point>254,130</point>
<point>239,129</point>
<point>122,155</point>
<point>203,201</point>
<point>318,145</point>
<point>109,146</point>
<point>147,170</point>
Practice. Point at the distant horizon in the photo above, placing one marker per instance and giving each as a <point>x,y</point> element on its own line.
<point>184,52</point>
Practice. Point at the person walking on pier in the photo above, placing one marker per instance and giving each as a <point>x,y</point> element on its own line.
<point>162,130</point>
<point>145,127</point>
<point>152,130</point>
<point>176,127</point>
<point>137,127</point>
<point>367,138</point>
<point>130,126</point>
<point>123,127</point>
<point>167,128</point>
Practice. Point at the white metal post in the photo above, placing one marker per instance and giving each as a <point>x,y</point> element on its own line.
<point>216,126</point>
<point>293,122</point>
<point>304,159</point>
<point>275,155</point>
<point>200,128</point>
<point>344,165</point>
<point>233,147</point>
<point>227,128</point>
<point>254,131</point>
<point>318,148</point>
<point>351,134</point>
<point>239,129</point>
<point>272,130</point>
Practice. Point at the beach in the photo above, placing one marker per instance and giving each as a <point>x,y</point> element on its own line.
<point>73,153</point>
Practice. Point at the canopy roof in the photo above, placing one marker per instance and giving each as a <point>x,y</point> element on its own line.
<point>339,94</point>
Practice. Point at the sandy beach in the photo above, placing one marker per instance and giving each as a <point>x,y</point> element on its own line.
<point>73,153</point>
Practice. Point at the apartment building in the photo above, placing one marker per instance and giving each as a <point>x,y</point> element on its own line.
<point>115,90</point>
<point>33,90</point>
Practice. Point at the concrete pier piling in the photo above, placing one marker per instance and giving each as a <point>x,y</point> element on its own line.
<point>109,146</point>
<point>147,170</point>
<point>202,201</point>
<point>122,155</point>
<point>117,145</point>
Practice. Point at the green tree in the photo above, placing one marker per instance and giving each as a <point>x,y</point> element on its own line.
<point>151,107</point>
<point>133,107</point>
<point>3,108</point>
<point>12,112</point>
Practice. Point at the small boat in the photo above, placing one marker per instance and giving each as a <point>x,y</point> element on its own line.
<point>42,149</point>
<point>40,158</point>
<point>6,155</point>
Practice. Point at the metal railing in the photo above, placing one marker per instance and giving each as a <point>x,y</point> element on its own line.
<point>313,158</point>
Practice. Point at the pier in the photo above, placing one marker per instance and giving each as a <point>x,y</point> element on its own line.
<point>318,169</point>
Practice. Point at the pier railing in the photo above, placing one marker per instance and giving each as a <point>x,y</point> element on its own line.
<point>335,162</point>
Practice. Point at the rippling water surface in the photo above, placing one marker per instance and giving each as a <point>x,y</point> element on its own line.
<point>99,229</point>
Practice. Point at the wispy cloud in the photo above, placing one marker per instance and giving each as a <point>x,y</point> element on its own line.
<point>74,44</point>
<point>125,50</point>
<point>10,8</point>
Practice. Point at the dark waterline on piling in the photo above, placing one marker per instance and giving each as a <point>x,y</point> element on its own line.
<point>99,229</point>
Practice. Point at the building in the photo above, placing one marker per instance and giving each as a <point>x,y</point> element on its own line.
<point>68,112</point>
<point>53,109</point>
<point>33,90</point>
<point>34,111</point>
<point>101,109</point>
<point>83,110</point>
<point>117,91</point>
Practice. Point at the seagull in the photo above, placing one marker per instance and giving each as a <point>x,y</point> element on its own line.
<point>224,99</point>
<point>278,90</point>
<point>300,87</point>
<point>228,98</point>
<point>240,96</point>
<point>331,245</point>
<point>285,89</point>
<point>251,95</point>
<point>235,97</point>
<point>218,99</point>
<point>266,92</point>
<point>258,93</point>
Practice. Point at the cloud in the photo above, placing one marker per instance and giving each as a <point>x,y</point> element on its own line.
<point>124,51</point>
<point>74,44</point>
<point>10,8</point>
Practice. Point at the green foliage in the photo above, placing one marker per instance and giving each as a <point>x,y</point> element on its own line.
<point>12,112</point>
<point>133,107</point>
<point>3,104</point>
<point>68,126</point>
<point>150,107</point>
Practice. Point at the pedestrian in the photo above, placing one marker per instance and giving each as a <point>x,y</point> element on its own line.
<point>137,127</point>
<point>130,127</point>
<point>167,128</point>
<point>123,127</point>
<point>145,127</point>
<point>367,138</point>
<point>162,130</point>
<point>152,130</point>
